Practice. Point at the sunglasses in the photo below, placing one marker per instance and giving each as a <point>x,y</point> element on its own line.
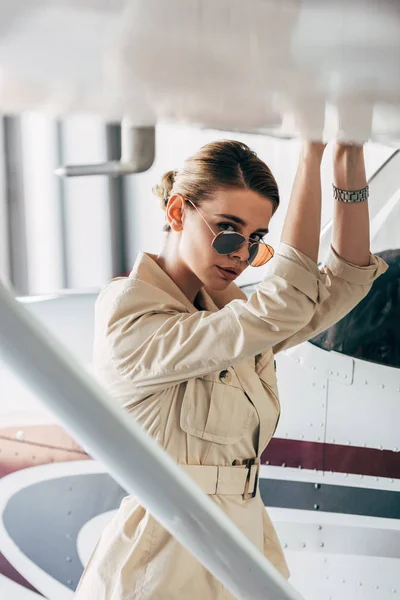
<point>226,242</point>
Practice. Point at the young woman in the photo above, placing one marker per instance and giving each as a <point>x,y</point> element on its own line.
<point>185,353</point>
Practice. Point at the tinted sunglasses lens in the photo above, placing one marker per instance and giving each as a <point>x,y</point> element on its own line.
<point>227,242</point>
<point>260,254</point>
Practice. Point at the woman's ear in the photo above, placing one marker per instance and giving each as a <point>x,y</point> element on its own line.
<point>175,210</point>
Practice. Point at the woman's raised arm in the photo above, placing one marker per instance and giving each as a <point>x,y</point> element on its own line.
<point>349,270</point>
<point>302,225</point>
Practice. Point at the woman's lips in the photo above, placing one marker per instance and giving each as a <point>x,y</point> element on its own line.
<point>227,274</point>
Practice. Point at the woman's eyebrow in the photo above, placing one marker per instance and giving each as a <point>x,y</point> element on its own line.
<point>240,221</point>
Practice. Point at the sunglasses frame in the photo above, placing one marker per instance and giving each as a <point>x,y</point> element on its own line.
<point>245,240</point>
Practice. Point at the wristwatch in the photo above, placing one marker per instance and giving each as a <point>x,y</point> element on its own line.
<point>350,196</point>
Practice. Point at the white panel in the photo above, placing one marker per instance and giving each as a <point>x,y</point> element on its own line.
<point>341,577</point>
<point>330,365</point>
<point>86,207</point>
<point>303,400</point>
<point>368,412</point>
<point>10,589</point>
<point>336,539</point>
<point>338,557</point>
<point>41,204</point>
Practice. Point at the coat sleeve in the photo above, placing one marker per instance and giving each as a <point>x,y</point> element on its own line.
<point>346,283</point>
<point>155,344</point>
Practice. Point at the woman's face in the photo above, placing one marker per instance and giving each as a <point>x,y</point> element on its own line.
<point>243,211</point>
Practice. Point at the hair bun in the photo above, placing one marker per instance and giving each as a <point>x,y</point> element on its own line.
<point>164,188</point>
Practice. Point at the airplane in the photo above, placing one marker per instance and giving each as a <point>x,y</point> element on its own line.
<point>331,475</point>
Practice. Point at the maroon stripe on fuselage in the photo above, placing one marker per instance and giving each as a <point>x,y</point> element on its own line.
<point>332,457</point>
<point>8,570</point>
<point>293,453</point>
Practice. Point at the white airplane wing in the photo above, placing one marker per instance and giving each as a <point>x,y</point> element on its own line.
<point>278,67</point>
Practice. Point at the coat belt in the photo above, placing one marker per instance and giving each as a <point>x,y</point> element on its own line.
<point>233,480</point>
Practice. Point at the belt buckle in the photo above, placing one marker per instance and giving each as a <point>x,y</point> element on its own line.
<point>249,462</point>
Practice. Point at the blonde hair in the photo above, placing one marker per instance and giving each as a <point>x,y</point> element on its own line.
<point>221,164</point>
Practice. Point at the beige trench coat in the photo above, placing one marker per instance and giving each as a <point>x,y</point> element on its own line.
<point>203,384</point>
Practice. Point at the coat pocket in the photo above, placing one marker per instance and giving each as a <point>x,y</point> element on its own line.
<point>215,411</point>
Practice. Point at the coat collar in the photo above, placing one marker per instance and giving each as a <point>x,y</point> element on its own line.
<point>147,269</point>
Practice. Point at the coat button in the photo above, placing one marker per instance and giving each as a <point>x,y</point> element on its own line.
<point>225,376</point>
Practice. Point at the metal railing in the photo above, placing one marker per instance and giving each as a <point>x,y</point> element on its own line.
<point>134,459</point>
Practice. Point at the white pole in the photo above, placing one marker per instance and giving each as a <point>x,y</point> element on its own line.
<point>135,459</point>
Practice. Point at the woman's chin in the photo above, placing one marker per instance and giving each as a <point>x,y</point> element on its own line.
<point>217,284</point>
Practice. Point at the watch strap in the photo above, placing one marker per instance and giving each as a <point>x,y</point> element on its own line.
<point>350,196</point>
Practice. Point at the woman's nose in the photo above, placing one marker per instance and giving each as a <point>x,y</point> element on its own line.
<point>241,253</point>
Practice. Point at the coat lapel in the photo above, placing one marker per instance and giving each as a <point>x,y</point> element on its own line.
<point>147,269</point>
